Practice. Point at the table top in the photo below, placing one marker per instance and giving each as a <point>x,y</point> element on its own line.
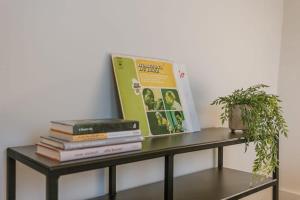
<point>152,147</point>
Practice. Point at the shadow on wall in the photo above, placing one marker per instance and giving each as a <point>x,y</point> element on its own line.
<point>105,83</point>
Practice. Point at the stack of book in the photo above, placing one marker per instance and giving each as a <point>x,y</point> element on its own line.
<point>76,139</point>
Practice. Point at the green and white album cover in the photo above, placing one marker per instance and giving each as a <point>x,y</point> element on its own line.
<point>155,93</point>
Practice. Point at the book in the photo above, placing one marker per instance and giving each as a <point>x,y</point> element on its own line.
<point>183,85</point>
<point>86,126</point>
<point>156,93</point>
<point>65,145</point>
<point>67,155</point>
<point>93,136</point>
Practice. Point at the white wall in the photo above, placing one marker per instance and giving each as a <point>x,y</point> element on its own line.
<point>288,89</point>
<point>55,65</point>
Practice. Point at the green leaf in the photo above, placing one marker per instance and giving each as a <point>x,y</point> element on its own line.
<point>264,118</point>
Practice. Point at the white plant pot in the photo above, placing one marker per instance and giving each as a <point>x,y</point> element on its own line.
<point>235,118</point>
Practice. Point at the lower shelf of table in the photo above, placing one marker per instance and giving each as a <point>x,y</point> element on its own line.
<point>211,184</point>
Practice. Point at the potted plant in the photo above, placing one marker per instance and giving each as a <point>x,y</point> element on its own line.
<point>259,115</point>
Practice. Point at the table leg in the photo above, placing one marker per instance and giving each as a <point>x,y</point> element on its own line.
<point>11,178</point>
<point>169,176</point>
<point>112,181</point>
<point>220,157</point>
<point>276,191</point>
<point>52,187</point>
<point>276,176</point>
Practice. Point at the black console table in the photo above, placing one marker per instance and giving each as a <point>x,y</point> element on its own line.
<point>211,184</point>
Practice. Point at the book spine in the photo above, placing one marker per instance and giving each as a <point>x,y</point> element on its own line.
<point>94,136</point>
<point>98,143</point>
<point>123,134</point>
<point>103,136</point>
<point>88,137</point>
<point>108,127</point>
<point>99,151</point>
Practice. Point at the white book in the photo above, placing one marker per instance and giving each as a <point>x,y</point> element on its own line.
<point>189,109</point>
<point>67,155</point>
<point>65,145</point>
